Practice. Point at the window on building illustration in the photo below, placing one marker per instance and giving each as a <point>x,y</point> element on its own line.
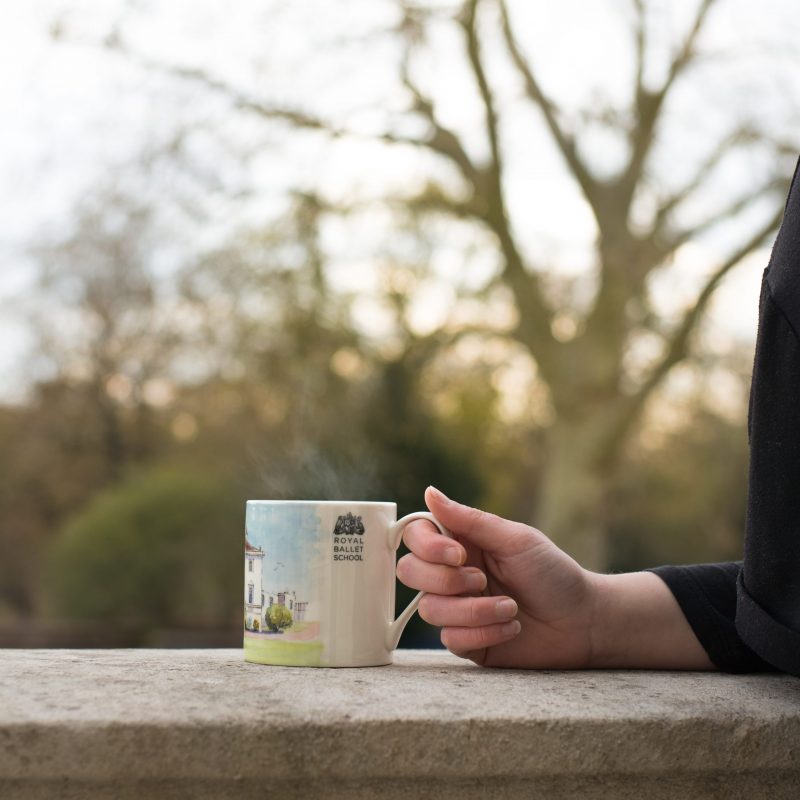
<point>250,565</point>
<point>250,592</point>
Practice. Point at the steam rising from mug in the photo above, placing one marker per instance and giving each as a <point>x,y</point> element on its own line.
<point>306,470</point>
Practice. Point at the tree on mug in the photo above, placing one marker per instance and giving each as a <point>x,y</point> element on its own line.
<point>278,618</point>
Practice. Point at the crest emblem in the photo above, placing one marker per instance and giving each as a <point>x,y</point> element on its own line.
<point>347,524</point>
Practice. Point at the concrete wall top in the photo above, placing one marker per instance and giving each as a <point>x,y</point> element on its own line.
<point>118,717</point>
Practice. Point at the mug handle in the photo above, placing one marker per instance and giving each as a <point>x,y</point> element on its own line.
<point>395,535</point>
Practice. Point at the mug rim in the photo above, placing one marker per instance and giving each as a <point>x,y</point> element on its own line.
<point>324,502</point>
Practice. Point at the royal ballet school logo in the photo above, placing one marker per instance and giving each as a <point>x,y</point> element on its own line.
<point>347,542</point>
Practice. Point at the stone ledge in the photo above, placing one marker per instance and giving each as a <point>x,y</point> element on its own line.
<point>203,723</point>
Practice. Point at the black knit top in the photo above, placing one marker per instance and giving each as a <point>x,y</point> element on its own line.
<point>747,613</point>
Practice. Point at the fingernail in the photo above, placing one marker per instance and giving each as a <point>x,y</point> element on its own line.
<point>475,581</point>
<point>440,496</point>
<point>511,628</point>
<point>505,608</point>
<point>454,556</point>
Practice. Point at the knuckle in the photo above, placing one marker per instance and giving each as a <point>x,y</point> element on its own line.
<point>410,532</point>
<point>427,609</point>
<point>450,639</point>
<point>526,532</point>
<point>477,517</point>
<point>445,582</point>
<point>418,525</point>
<point>474,518</point>
<point>417,536</point>
<point>404,568</point>
<point>483,637</point>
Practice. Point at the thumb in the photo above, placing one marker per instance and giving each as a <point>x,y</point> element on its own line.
<point>487,531</point>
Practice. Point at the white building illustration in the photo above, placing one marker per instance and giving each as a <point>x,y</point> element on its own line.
<point>257,600</point>
<point>253,593</point>
<point>289,600</point>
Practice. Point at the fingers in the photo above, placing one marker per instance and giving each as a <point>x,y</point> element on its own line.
<point>471,624</point>
<point>438,578</point>
<point>487,531</point>
<point>424,540</point>
<point>467,640</point>
<point>468,612</point>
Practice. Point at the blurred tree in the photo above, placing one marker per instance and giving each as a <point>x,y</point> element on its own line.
<point>337,417</point>
<point>51,460</point>
<point>641,223</point>
<point>687,505</point>
<point>20,513</point>
<point>263,370</point>
<point>102,323</point>
<point>340,416</point>
<point>161,549</point>
<point>104,342</point>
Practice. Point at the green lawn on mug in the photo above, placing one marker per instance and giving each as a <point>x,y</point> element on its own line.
<point>274,650</point>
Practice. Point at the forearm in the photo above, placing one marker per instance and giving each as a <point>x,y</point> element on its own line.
<point>637,623</point>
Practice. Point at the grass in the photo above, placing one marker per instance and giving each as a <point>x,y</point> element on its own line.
<point>282,651</point>
<point>296,627</point>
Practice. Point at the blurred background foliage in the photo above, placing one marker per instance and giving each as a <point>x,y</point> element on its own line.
<point>173,374</point>
<point>144,553</point>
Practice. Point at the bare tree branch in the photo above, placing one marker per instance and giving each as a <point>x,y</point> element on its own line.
<point>442,140</point>
<point>640,36</point>
<point>673,242</point>
<point>564,141</point>
<point>434,197</point>
<point>649,104</point>
<point>738,136</point>
<point>678,346</point>
<point>535,315</point>
<point>687,51</point>
<point>476,63</point>
<point>239,99</point>
<point>428,345</point>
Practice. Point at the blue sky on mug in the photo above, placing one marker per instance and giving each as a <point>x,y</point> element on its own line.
<point>289,535</point>
<point>76,112</point>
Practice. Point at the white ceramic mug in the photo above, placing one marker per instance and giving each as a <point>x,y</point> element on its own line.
<point>319,582</point>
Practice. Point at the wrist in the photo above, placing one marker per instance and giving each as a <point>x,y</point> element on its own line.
<point>637,623</point>
<point>605,644</point>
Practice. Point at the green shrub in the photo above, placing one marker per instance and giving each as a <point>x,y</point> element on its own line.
<point>278,618</point>
<point>162,549</point>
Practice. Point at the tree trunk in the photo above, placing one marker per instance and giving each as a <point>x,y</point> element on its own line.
<point>571,507</point>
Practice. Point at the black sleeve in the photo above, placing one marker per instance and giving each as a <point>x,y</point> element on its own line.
<point>747,615</point>
<point>706,594</point>
<point>768,608</point>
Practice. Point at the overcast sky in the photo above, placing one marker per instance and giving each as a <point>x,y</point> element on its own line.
<point>73,113</point>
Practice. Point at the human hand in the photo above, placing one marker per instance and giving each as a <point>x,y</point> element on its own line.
<point>506,596</point>
<point>502,592</point>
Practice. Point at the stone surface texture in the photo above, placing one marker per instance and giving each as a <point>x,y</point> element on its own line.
<point>205,724</point>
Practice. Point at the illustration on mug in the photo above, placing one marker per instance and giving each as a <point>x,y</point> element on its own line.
<point>282,566</point>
